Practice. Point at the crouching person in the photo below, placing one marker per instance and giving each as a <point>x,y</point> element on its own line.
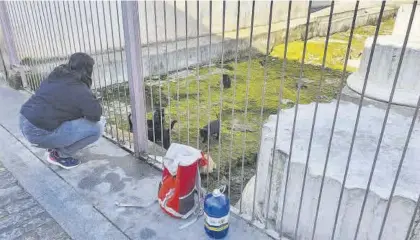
<point>64,116</point>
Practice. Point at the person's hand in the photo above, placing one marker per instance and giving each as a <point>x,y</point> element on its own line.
<point>98,96</point>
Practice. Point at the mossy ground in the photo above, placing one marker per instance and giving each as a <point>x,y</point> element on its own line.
<point>337,46</point>
<point>196,99</point>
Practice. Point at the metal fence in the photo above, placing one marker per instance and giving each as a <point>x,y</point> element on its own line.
<point>227,65</point>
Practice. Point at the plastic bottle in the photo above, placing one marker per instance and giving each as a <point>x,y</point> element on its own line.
<point>216,214</point>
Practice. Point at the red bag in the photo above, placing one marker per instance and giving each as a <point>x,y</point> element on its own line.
<point>180,189</point>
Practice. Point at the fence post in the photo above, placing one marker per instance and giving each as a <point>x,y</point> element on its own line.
<point>7,33</point>
<point>131,27</point>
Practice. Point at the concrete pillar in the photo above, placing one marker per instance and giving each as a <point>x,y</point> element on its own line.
<point>401,23</point>
<point>385,61</point>
<point>405,196</point>
<point>7,37</point>
<point>131,26</point>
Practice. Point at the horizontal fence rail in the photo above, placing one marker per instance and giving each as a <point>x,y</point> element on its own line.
<point>306,110</point>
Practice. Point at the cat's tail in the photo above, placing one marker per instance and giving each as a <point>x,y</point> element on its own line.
<point>130,122</point>
<point>173,123</point>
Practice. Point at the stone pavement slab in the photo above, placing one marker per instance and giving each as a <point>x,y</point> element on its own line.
<point>21,216</point>
<point>72,211</point>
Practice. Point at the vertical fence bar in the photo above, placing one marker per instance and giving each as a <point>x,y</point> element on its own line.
<point>71,25</point>
<point>131,26</point>
<point>120,141</point>
<point>343,77</point>
<point>407,141</point>
<point>116,106</point>
<point>6,26</point>
<point>100,78</point>
<point>314,117</point>
<point>391,97</point>
<point>372,51</point>
<point>248,78</point>
<point>186,75</point>
<point>238,13</point>
<point>114,135</point>
<point>167,70</point>
<point>3,65</point>
<point>20,47</point>
<point>122,63</point>
<point>413,218</point>
<point>81,26</point>
<point>88,48</point>
<point>27,82</point>
<point>94,44</point>
<point>54,42</point>
<point>101,52</point>
<point>47,30</point>
<point>46,46</point>
<point>177,72</point>
<point>198,74</point>
<point>286,43</point>
<point>267,53</point>
<point>221,92</point>
<point>39,48</point>
<point>150,70</point>
<point>296,111</point>
<point>31,55</point>
<point>158,75</point>
<point>208,84</point>
<point>77,27</point>
<point>27,32</point>
<point>60,28</point>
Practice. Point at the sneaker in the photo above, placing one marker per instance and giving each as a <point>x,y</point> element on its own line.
<point>66,163</point>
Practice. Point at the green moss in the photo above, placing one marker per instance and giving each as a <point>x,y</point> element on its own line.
<point>196,102</point>
<point>337,46</point>
<point>27,61</point>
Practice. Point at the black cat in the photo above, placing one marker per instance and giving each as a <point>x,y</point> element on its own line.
<point>226,81</point>
<point>155,133</point>
<point>211,129</point>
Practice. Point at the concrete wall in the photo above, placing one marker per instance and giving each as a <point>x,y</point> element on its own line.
<point>40,19</point>
<point>37,35</point>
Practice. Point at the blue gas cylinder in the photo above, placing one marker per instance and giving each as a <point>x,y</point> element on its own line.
<point>216,214</point>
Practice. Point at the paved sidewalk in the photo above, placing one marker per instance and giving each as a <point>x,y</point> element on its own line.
<point>21,216</point>
<point>82,200</point>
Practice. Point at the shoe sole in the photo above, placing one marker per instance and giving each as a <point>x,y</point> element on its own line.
<point>58,164</point>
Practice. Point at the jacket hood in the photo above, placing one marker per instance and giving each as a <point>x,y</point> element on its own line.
<point>80,65</point>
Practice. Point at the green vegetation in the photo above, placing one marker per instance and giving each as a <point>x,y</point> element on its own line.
<point>192,101</point>
<point>337,46</point>
<point>198,108</point>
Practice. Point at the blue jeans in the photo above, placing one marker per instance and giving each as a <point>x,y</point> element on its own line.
<point>67,139</point>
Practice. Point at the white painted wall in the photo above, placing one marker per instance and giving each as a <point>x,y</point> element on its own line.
<point>38,33</point>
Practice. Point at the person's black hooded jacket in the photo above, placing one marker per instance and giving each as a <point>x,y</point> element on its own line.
<point>65,95</point>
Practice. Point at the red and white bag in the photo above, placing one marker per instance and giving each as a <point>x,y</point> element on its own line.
<point>180,189</point>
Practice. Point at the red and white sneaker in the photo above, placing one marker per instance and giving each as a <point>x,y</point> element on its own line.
<point>66,163</point>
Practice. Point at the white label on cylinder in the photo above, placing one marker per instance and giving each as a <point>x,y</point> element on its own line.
<point>216,222</point>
